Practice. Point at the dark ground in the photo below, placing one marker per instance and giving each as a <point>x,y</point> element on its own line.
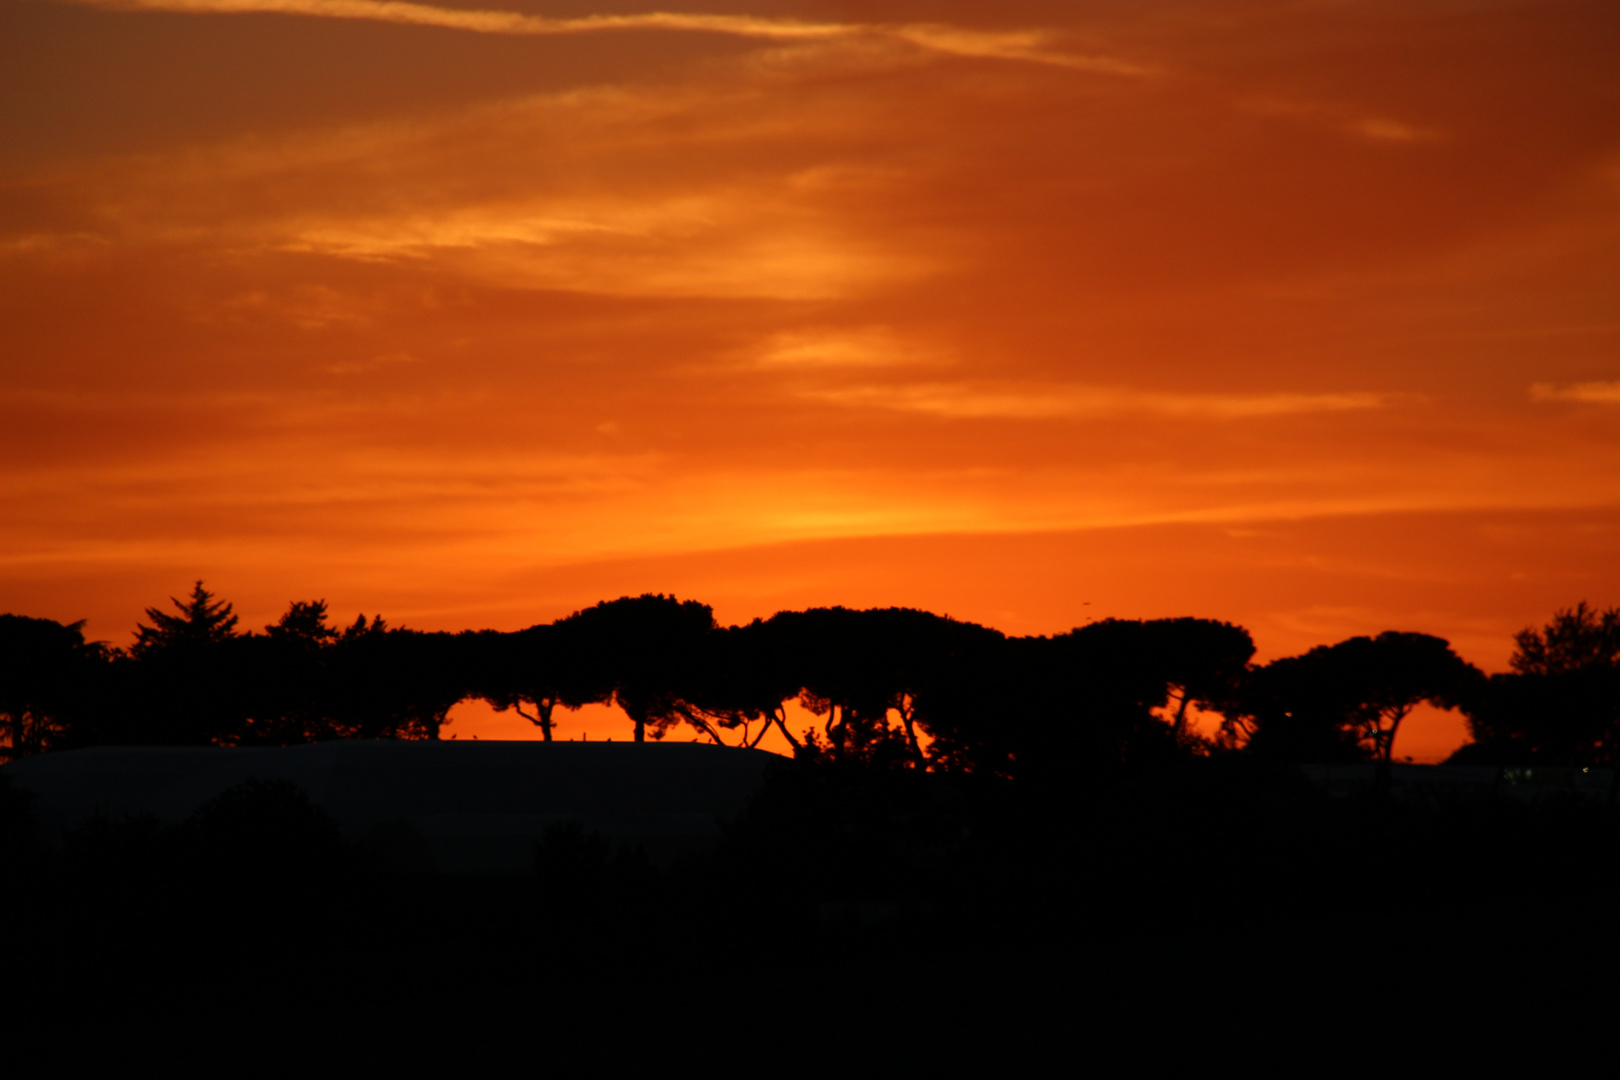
<point>855,918</point>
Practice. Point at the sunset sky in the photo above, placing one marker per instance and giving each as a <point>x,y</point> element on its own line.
<point>1304,315</point>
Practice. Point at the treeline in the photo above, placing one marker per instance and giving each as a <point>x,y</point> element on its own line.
<point>891,686</point>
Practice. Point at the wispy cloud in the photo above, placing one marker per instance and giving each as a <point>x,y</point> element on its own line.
<point>1377,129</point>
<point>1009,401</point>
<point>359,367</point>
<point>493,22</point>
<point>563,196</point>
<point>1590,393</point>
<point>1030,46</point>
<point>818,350</point>
<point>686,246</point>
<point>1033,46</point>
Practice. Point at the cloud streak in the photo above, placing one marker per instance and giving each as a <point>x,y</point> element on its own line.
<point>997,401</point>
<point>1029,46</point>
<point>1587,393</point>
<point>568,193</point>
<point>690,246</point>
<point>812,350</point>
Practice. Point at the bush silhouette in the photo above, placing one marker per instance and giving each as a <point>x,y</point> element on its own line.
<point>263,828</point>
<point>577,867</point>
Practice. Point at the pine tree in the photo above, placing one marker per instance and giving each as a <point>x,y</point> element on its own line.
<point>202,621</point>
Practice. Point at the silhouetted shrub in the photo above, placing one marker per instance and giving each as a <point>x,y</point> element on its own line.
<point>263,828</point>
<point>841,829</point>
<point>17,838</point>
<point>567,850</point>
<point>575,866</point>
<point>128,846</point>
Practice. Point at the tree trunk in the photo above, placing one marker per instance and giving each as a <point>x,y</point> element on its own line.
<point>541,717</point>
<point>779,717</point>
<point>1386,748</point>
<point>636,707</point>
<point>1180,727</point>
<point>905,709</point>
<point>835,731</point>
<point>708,729</point>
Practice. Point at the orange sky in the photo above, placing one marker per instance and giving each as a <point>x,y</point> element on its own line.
<point>1302,315</point>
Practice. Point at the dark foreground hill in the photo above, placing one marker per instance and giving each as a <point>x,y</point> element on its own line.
<point>852,917</point>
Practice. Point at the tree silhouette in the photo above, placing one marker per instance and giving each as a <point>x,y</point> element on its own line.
<point>202,620</point>
<point>644,649</point>
<point>1561,701</point>
<point>287,669</point>
<point>918,646</point>
<point>1348,700</point>
<point>189,680</point>
<point>542,667</point>
<point>304,623</point>
<point>45,669</point>
<point>745,676</point>
<point>1045,710</point>
<point>846,665</point>
<point>850,667</point>
<point>895,686</point>
<point>1201,662</point>
<point>1130,670</point>
<point>1576,640</point>
<point>394,683</point>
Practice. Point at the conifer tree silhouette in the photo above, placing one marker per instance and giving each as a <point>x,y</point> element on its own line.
<point>202,620</point>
